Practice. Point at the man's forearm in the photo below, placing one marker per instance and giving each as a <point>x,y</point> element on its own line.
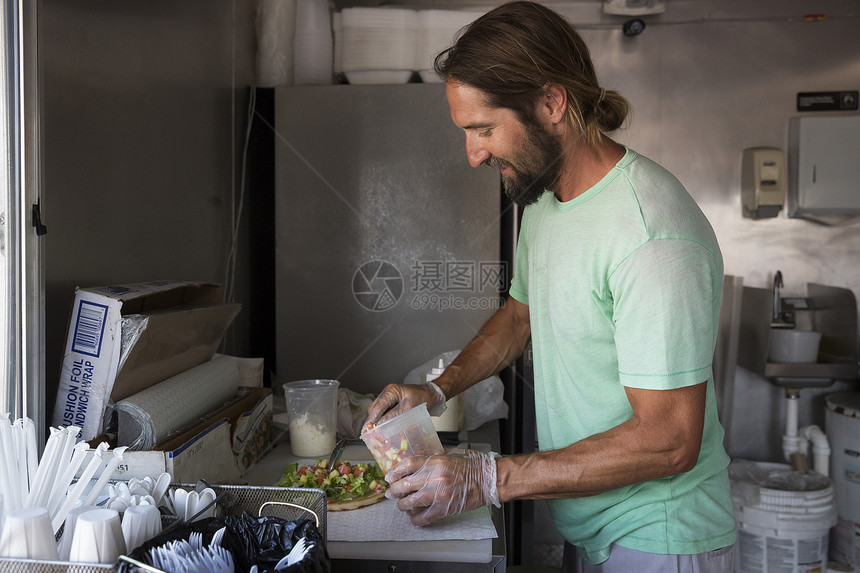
<point>661,439</point>
<point>499,342</point>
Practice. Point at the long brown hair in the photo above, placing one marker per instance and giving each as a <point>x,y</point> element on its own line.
<point>512,52</point>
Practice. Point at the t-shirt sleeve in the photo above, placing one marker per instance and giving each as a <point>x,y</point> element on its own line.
<point>520,281</point>
<point>666,308</point>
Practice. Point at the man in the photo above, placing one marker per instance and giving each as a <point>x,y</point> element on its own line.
<point>617,282</point>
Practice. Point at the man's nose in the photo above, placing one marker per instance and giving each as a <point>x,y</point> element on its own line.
<point>476,153</point>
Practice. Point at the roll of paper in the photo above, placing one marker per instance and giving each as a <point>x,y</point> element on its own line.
<point>276,27</point>
<point>148,417</point>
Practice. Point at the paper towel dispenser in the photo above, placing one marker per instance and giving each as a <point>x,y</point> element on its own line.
<point>824,166</point>
<point>763,182</point>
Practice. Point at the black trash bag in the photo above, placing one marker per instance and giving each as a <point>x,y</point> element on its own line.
<point>252,541</point>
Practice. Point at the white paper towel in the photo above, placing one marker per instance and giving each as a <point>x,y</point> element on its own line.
<point>146,418</point>
<point>384,522</point>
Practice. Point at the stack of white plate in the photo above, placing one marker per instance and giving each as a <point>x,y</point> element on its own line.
<point>377,45</point>
<point>312,43</point>
<point>437,30</point>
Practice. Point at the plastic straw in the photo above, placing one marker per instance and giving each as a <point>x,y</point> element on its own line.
<point>32,449</point>
<point>107,473</point>
<point>82,483</point>
<point>11,489</point>
<point>46,465</point>
<point>62,484</point>
<point>19,442</point>
<point>54,488</point>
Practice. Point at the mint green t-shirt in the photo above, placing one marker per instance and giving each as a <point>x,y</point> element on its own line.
<point>623,285</point>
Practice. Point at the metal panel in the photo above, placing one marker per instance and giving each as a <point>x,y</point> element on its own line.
<point>139,103</point>
<point>377,173</point>
<point>825,171</point>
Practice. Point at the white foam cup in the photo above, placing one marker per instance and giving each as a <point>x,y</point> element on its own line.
<point>140,523</point>
<point>69,530</point>
<point>27,534</point>
<point>98,537</point>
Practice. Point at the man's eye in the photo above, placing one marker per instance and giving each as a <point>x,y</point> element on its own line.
<point>486,133</point>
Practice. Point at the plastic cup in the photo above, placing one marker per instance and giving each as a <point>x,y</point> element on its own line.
<point>409,434</point>
<point>98,537</point>
<point>312,414</point>
<point>27,534</point>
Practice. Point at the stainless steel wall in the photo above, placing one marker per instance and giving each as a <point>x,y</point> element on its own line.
<point>353,188</point>
<point>140,116</point>
<point>708,79</point>
<point>142,119</point>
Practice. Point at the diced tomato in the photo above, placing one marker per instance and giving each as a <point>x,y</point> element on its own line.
<point>358,472</point>
<point>345,469</point>
<point>348,487</point>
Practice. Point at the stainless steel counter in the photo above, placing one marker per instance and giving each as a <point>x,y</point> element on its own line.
<point>375,557</point>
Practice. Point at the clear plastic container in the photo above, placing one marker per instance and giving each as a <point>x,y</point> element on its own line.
<point>409,434</point>
<point>312,411</point>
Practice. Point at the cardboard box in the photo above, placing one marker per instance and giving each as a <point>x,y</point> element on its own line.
<point>208,450</point>
<point>123,339</point>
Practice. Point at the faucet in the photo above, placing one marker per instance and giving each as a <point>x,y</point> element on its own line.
<point>780,319</point>
<point>777,284</point>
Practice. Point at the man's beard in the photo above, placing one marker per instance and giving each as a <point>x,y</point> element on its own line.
<point>538,166</point>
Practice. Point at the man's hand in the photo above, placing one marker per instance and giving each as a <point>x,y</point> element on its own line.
<point>430,488</point>
<point>397,398</point>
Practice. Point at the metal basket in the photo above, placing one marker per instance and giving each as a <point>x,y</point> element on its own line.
<point>33,566</point>
<point>288,503</point>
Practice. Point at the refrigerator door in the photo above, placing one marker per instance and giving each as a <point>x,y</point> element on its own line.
<point>387,241</point>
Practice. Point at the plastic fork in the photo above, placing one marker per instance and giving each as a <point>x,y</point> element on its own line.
<point>296,554</point>
<point>195,539</point>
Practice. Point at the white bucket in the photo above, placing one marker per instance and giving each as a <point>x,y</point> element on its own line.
<point>843,428</point>
<point>780,530</point>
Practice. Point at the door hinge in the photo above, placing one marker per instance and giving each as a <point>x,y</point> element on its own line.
<point>37,220</point>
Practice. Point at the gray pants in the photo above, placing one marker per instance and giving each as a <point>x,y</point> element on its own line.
<point>623,560</point>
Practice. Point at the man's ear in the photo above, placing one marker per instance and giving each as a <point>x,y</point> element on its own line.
<point>554,103</point>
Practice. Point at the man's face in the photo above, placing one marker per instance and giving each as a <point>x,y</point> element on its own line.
<point>527,157</point>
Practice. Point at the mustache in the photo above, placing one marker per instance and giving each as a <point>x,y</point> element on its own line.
<point>497,162</point>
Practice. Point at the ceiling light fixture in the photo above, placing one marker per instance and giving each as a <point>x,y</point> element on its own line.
<point>634,7</point>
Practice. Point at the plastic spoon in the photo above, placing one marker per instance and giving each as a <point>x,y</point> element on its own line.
<point>191,504</point>
<point>205,499</point>
<point>179,497</point>
<point>160,488</point>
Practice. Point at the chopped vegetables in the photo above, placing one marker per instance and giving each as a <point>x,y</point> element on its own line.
<point>346,481</point>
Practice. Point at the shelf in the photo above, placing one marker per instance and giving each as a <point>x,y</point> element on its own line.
<point>803,375</point>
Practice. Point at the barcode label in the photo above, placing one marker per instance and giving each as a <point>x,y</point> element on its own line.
<point>89,328</point>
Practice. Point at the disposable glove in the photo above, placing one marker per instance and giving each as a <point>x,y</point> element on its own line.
<point>429,488</point>
<point>397,398</point>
